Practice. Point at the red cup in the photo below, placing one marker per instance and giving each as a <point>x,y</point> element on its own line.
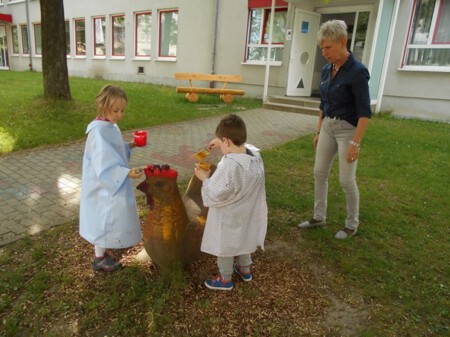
<point>140,138</point>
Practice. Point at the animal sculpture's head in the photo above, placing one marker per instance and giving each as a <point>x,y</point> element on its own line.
<point>160,184</point>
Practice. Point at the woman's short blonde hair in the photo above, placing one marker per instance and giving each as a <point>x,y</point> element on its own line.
<point>333,30</point>
<point>106,97</point>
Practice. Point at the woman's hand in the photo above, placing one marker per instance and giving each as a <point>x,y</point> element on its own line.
<point>319,128</point>
<point>316,140</point>
<point>132,145</point>
<point>352,153</point>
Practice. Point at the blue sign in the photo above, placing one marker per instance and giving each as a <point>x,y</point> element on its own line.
<point>305,27</point>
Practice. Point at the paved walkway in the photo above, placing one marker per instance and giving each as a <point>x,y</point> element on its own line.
<point>41,188</point>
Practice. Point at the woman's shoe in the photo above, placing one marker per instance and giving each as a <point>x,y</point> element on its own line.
<point>311,223</point>
<point>342,235</point>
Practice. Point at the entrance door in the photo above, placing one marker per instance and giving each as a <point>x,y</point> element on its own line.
<point>301,64</point>
<point>3,48</point>
<point>360,24</point>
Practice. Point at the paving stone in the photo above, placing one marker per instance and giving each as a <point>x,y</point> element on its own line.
<point>6,209</point>
<point>10,238</point>
<point>17,228</point>
<point>4,230</point>
<point>52,176</point>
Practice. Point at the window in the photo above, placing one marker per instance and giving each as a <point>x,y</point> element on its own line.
<point>168,33</point>
<point>118,42</point>
<point>99,36</point>
<point>258,34</point>
<point>80,37</point>
<point>3,47</point>
<point>25,43</point>
<point>67,28</point>
<point>37,39</point>
<point>428,44</point>
<point>15,39</point>
<point>143,34</point>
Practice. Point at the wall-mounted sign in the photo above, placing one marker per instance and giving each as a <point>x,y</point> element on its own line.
<point>305,27</point>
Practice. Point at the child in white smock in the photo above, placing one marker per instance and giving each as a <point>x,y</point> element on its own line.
<point>108,212</point>
<point>236,224</point>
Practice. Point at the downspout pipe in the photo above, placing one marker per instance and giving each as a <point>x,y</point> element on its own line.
<point>269,51</point>
<point>30,65</point>
<point>214,51</point>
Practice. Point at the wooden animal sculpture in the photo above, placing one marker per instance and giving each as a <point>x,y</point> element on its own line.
<point>174,225</point>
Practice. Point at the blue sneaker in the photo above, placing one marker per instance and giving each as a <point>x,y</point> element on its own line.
<point>244,276</point>
<point>218,283</point>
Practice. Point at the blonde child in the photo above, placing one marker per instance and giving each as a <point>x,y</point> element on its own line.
<point>108,212</point>
<point>235,194</point>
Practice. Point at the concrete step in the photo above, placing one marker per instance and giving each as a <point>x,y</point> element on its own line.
<point>291,108</point>
<point>305,105</point>
<point>301,101</point>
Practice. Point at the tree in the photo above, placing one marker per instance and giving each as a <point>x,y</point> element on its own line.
<point>54,54</point>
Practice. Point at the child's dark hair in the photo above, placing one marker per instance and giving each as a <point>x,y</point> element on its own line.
<point>106,98</point>
<point>233,128</point>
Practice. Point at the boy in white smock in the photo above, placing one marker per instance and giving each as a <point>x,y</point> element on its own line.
<point>236,224</point>
<point>108,212</point>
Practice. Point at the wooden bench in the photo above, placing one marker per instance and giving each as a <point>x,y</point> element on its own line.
<point>226,94</point>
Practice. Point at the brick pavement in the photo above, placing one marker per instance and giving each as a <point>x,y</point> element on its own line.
<point>41,188</point>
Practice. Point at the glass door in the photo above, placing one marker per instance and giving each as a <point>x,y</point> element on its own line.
<point>358,23</point>
<point>359,34</point>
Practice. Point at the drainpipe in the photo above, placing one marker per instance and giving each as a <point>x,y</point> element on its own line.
<point>30,65</point>
<point>269,51</point>
<point>216,19</point>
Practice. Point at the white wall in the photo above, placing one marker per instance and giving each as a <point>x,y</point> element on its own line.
<point>194,49</point>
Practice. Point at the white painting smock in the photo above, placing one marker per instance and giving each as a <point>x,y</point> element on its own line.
<point>236,197</point>
<point>108,212</point>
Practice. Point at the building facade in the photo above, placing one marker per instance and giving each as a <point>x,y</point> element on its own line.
<point>404,43</point>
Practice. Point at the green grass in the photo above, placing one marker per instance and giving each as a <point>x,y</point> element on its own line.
<point>399,259</point>
<point>27,120</point>
<point>397,263</point>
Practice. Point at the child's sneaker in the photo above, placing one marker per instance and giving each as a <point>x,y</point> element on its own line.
<point>106,263</point>
<point>244,276</point>
<point>218,283</point>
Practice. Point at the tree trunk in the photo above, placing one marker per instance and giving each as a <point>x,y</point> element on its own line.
<point>54,55</point>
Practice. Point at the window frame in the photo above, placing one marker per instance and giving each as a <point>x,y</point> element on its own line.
<point>136,42</point>
<point>262,42</point>
<point>94,33</point>
<point>15,29</point>
<point>430,44</point>
<point>24,38</point>
<point>161,56</point>
<point>112,25</point>
<point>77,54</point>
<point>37,43</point>
<point>67,32</point>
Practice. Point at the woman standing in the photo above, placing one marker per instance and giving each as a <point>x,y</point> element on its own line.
<point>343,119</point>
